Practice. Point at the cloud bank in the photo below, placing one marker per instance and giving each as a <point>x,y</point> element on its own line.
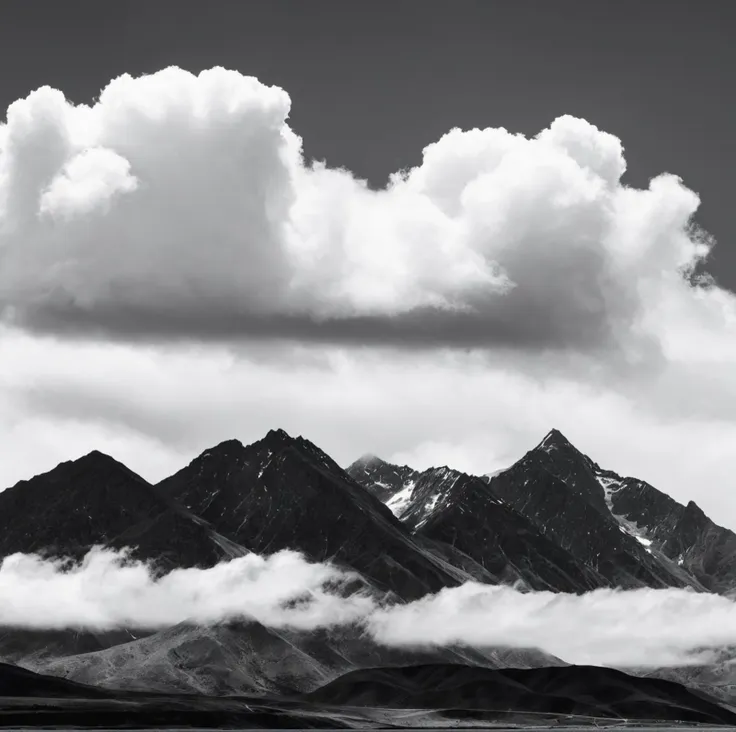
<point>604,627</point>
<point>181,206</point>
<point>174,273</point>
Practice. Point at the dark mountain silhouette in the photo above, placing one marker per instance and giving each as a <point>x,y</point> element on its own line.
<point>74,506</point>
<point>97,501</point>
<point>680,538</point>
<point>684,534</point>
<point>557,488</point>
<point>555,520</point>
<point>249,658</point>
<point>436,694</point>
<point>557,692</point>
<point>285,493</point>
<point>464,512</point>
<point>20,682</point>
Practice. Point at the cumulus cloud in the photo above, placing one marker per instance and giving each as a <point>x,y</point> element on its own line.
<point>180,206</point>
<point>177,217</point>
<point>604,627</point>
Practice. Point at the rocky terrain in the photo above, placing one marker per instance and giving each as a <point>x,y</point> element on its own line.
<point>434,696</point>
<point>554,520</point>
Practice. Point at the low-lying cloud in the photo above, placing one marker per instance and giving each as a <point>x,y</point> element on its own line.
<point>181,207</point>
<point>605,627</point>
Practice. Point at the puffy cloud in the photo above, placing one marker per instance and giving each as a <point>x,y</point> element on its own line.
<point>177,217</point>
<point>106,590</point>
<point>180,206</point>
<point>604,627</point>
<point>619,628</point>
<point>87,183</point>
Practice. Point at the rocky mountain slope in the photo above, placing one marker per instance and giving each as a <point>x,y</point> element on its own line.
<point>683,534</point>
<point>464,512</point>
<point>260,498</point>
<point>249,658</point>
<point>428,696</point>
<point>578,691</point>
<point>555,520</point>
<point>586,526</point>
<point>97,501</point>
<point>558,488</point>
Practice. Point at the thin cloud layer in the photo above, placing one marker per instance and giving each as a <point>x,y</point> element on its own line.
<point>107,590</point>
<point>180,207</point>
<point>604,627</point>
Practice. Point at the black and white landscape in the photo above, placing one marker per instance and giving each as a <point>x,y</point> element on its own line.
<point>367,364</point>
<point>340,597</point>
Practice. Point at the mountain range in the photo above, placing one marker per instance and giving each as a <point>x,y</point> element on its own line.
<point>554,520</point>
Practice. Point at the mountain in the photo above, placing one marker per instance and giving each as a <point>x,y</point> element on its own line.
<point>19,682</point>
<point>547,693</point>
<point>684,534</point>
<point>463,511</point>
<point>555,520</point>
<point>384,480</point>
<point>96,500</point>
<point>564,493</point>
<point>74,506</point>
<point>93,501</point>
<point>427,696</point>
<point>249,658</point>
<point>29,700</point>
<point>680,539</point>
<point>717,677</point>
<point>285,493</point>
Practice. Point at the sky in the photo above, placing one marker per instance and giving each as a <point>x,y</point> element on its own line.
<point>429,231</point>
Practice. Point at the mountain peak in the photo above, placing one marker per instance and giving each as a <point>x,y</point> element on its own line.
<point>554,439</point>
<point>95,456</point>
<point>227,446</point>
<point>692,509</point>
<point>278,438</point>
<point>223,451</point>
<point>369,460</point>
<point>279,433</point>
<point>96,462</point>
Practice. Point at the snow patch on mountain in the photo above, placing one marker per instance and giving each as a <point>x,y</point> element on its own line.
<point>400,501</point>
<point>489,476</point>
<point>611,484</point>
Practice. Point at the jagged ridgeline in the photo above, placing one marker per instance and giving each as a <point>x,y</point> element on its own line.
<point>554,520</point>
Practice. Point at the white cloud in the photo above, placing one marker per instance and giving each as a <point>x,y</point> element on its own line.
<point>106,591</point>
<point>154,244</point>
<point>87,183</point>
<point>180,205</point>
<point>605,627</point>
<point>619,628</point>
<point>156,407</point>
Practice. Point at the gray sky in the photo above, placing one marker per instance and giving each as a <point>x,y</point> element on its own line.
<point>175,272</point>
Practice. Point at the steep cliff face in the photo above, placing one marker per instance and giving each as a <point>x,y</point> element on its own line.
<point>463,511</point>
<point>604,530</point>
<point>390,484</point>
<point>285,493</point>
<point>682,537</point>
<point>551,486</point>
